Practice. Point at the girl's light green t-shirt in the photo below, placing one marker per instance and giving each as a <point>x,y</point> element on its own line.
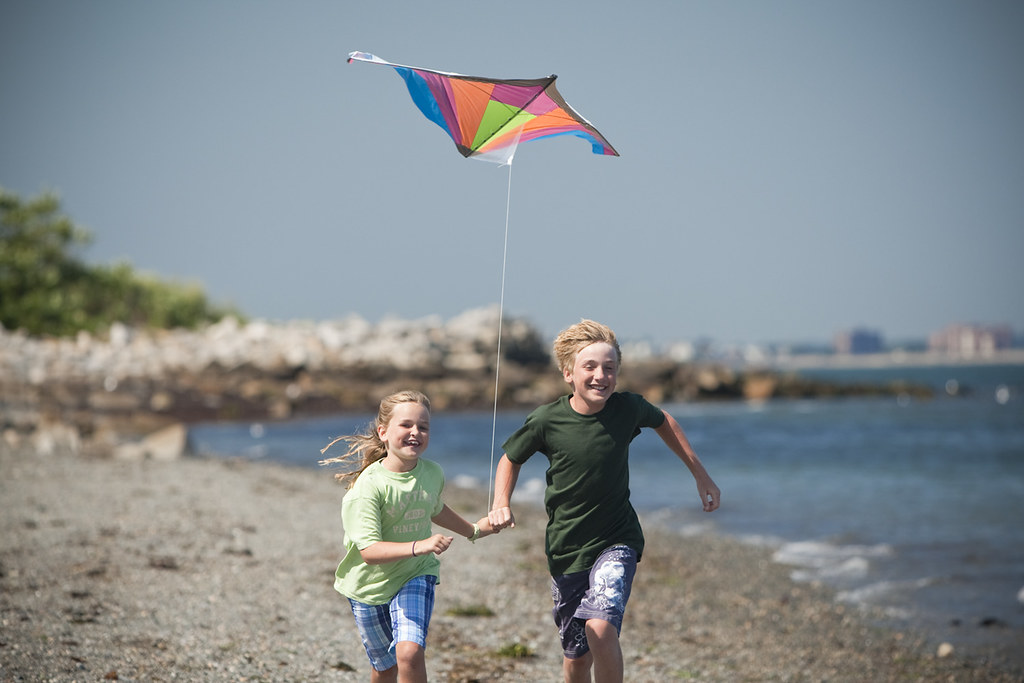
<point>388,506</point>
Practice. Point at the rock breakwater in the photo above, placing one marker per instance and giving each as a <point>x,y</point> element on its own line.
<point>97,392</point>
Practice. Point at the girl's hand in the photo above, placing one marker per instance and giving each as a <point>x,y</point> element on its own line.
<point>485,527</point>
<point>436,544</point>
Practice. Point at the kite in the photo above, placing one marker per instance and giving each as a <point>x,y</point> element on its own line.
<point>488,117</point>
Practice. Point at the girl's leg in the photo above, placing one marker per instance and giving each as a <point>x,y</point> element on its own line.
<point>412,663</point>
<point>389,676</point>
<point>411,609</point>
<point>374,624</point>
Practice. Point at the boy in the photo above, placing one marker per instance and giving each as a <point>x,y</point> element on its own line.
<point>593,539</point>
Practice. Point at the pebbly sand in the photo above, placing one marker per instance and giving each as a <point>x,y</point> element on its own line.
<point>221,570</point>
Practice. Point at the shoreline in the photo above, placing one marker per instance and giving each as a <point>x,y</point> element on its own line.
<point>214,569</point>
<point>896,359</point>
<point>974,633</point>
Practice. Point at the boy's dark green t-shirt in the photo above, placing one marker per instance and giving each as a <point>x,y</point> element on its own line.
<point>587,494</point>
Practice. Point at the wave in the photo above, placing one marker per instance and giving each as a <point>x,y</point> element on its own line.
<point>880,590</point>
<point>829,562</point>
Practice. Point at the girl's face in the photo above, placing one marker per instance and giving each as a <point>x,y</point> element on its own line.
<point>593,377</point>
<point>406,436</point>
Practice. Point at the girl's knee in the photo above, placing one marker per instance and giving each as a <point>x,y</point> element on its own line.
<point>410,655</point>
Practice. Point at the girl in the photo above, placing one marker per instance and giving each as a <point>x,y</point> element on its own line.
<point>390,565</point>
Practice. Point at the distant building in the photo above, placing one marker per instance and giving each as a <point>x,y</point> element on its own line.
<point>971,340</point>
<point>859,340</point>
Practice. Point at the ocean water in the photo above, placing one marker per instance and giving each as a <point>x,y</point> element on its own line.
<point>914,506</point>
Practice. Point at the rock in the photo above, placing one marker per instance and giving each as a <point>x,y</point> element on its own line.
<point>168,443</point>
<point>109,401</point>
<point>11,438</point>
<point>52,437</point>
<point>161,401</point>
<point>945,650</point>
<point>164,562</point>
<point>759,387</point>
<point>238,543</point>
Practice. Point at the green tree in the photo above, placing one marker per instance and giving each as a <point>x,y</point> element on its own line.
<point>46,289</point>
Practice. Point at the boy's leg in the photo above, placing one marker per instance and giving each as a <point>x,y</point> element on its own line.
<point>603,607</point>
<point>604,648</point>
<point>588,611</point>
<point>605,656</point>
<point>577,670</point>
<point>566,593</point>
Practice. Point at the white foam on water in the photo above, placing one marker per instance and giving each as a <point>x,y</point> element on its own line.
<point>762,540</point>
<point>880,592</point>
<point>838,565</point>
<point>823,555</point>
<point>849,569</point>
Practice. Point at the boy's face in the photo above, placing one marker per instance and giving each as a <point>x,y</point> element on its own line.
<point>593,374</point>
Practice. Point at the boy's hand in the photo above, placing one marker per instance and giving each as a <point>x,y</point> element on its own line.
<point>501,518</point>
<point>436,544</point>
<point>710,496</point>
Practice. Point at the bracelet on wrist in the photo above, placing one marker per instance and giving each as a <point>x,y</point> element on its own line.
<point>414,548</point>
<point>476,534</point>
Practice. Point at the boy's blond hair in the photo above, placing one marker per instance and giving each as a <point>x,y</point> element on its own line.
<point>571,340</point>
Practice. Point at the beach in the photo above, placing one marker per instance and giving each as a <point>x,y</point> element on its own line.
<point>222,570</point>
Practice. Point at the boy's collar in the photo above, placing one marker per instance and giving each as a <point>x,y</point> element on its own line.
<point>589,410</point>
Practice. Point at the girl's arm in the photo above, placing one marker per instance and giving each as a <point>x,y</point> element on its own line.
<point>672,434</point>
<point>453,521</point>
<point>383,552</point>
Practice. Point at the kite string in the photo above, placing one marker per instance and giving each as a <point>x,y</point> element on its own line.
<point>497,361</point>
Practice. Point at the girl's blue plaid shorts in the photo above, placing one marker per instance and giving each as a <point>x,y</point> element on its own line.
<point>405,618</point>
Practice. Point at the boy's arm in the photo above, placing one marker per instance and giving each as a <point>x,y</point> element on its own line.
<point>505,477</point>
<point>672,434</point>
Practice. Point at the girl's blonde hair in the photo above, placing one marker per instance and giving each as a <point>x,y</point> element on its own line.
<point>572,340</point>
<point>366,447</point>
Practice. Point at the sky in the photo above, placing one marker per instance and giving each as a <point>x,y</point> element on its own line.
<point>788,170</point>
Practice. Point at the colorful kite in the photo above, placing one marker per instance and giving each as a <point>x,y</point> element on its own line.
<point>488,117</point>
